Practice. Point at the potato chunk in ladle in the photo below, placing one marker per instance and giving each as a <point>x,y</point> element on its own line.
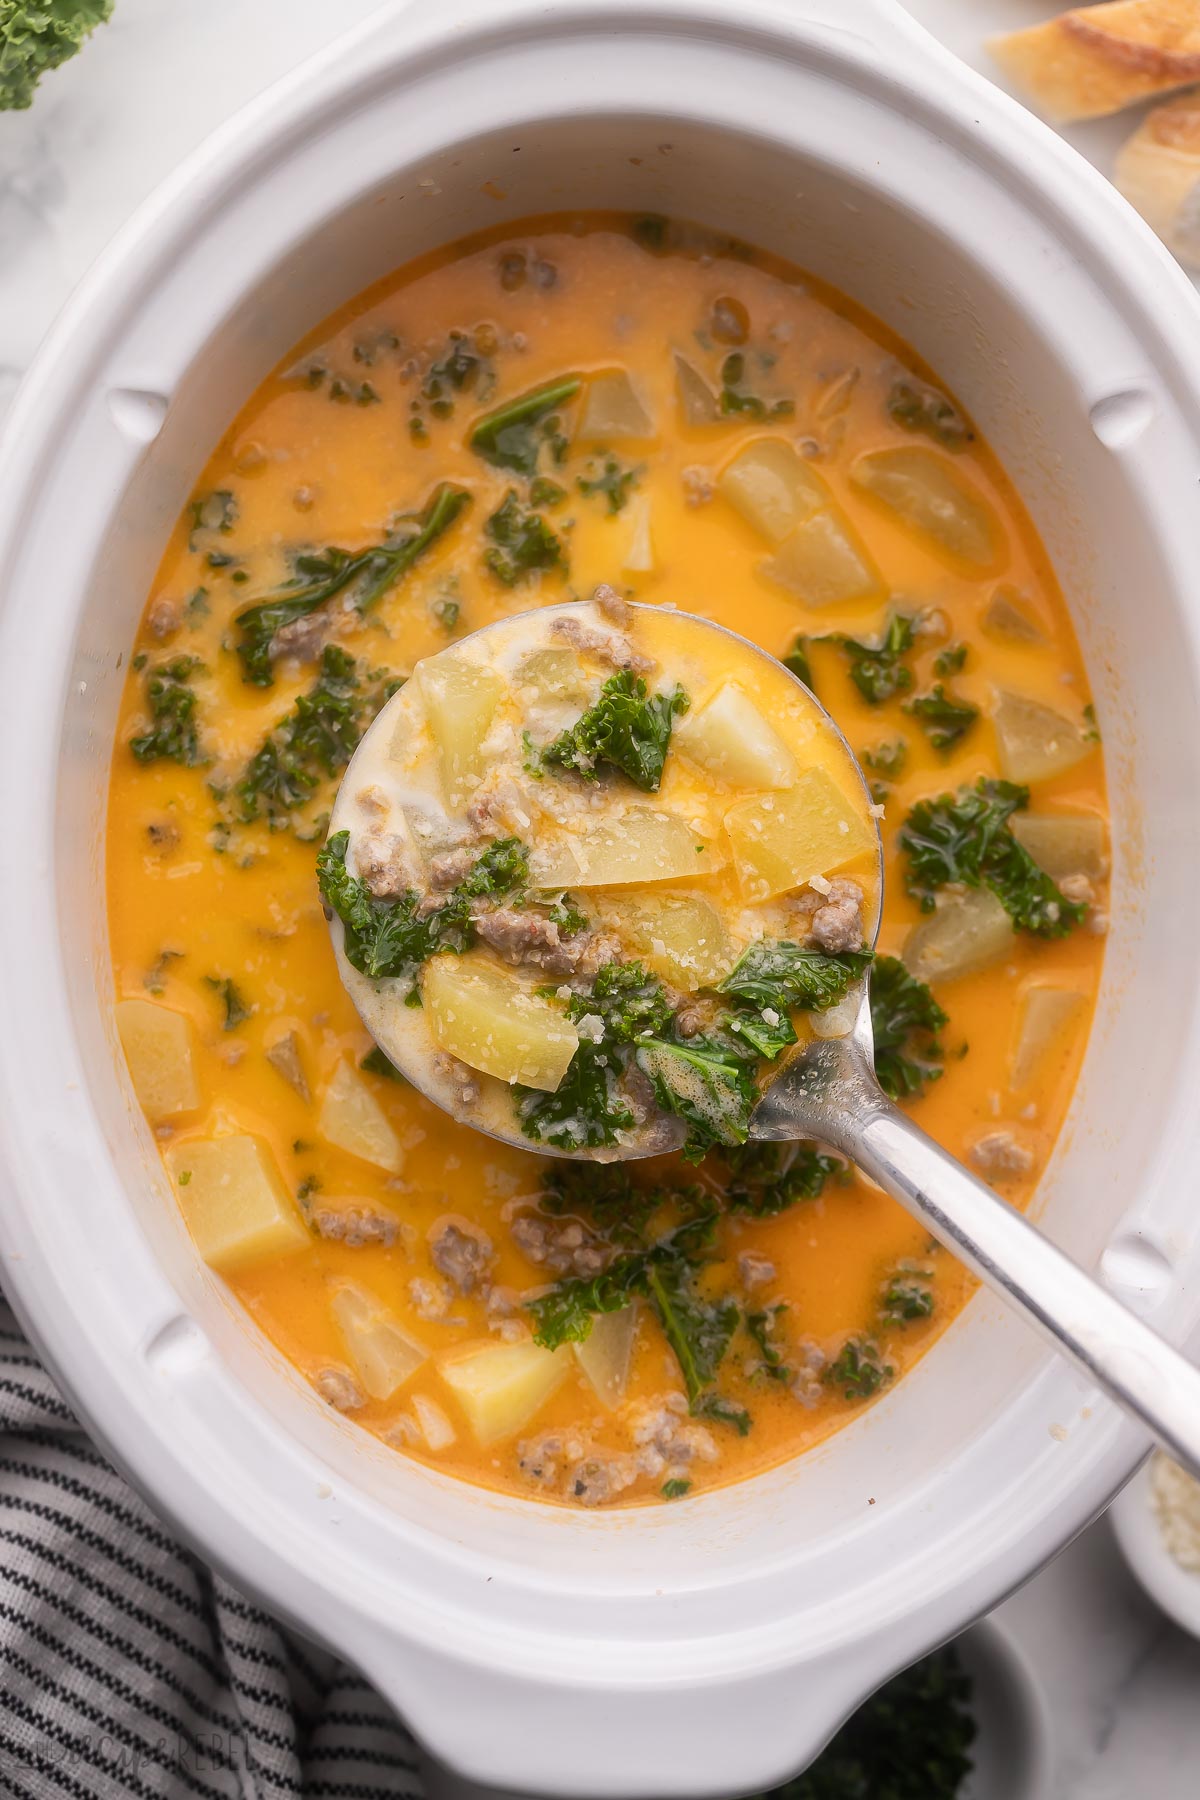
<point>597,874</point>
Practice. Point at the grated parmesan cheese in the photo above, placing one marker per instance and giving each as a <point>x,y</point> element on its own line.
<point>1176,1497</point>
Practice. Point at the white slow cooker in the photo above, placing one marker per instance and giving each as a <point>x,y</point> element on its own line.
<point>714,1646</point>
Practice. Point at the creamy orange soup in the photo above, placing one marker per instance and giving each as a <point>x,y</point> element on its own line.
<point>509,424</point>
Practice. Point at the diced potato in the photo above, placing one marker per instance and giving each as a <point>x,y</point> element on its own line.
<point>490,1020</point>
<point>697,402</point>
<point>822,562</point>
<point>928,493</point>
<point>383,1354</point>
<point>1036,742</point>
<point>642,846</point>
<point>1064,843</point>
<point>1009,617</point>
<point>501,1386</point>
<point>773,487</point>
<point>968,932</point>
<point>782,840</point>
<point>158,1048</point>
<point>436,1428</point>
<point>639,548</point>
<point>555,674</point>
<point>460,703</point>
<point>729,738</point>
<point>1044,1016</point>
<point>605,1353</point>
<point>234,1201</point>
<point>612,410</point>
<point>352,1118</point>
<point>681,937</point>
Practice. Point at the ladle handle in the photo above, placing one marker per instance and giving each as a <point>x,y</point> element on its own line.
<point>1141,1371</point>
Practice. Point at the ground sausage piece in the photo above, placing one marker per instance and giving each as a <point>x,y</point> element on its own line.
<point>355,1225</point>
<point>596,1480</point>
<point>838,924</point>
<point>163,619</point>
<point>338,1387</point>
<point>383,864</point>
<point>303,638</point>
<point>528,937</point>
<point>616,611</point>
<point>755,1270</point>
<point>465,1083</point>
<point>698,484</point>
<point>999,1153</point>
<point>605,646</point>
<point>562,1245</point>
<point>451,867</point>
<point>462,1252</point>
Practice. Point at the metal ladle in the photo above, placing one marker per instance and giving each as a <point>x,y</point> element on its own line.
<point>830,1093</point>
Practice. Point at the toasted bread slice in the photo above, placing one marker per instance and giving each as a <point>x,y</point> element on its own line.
<point>1097,59</point>
<point>1158,169</point>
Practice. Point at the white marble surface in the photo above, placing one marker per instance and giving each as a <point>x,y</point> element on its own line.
<point>1123,1685</point>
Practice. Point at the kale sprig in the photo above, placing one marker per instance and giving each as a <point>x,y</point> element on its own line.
<point>37,38</point>
<point>766,1179</point>
<point>171,701</point>
<point>777,975</point>
<point>511,436</point>
<point>522,543</point>
<point>906,1020</point>
<point>386,938</point>
<point>609,478</point>
<point>916,406</point>
<point>942,718</point>
<point>627,728</point>
<point>708,1083</point>
<point>858,1369</point>
<point>313,742</point>
<point>319,576</point>
<point>965,837</point>
<point>878,669</point>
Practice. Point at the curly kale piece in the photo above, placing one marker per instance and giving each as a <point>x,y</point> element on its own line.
<point>858,1369</point>
<point>627,727</point>
<point>965,837</point>
<point>321,575</point>
<point>37,36</point>
<point>909,1742</point>
<point>916,406</point>
<point>523,543</point>
<point>237,1009</point>
<point>906,1020</point>
<point>585,1110</point>
<point>942,718</point>
<point>387,937</point>
<point>172,733</point>
<point>705,1083</point>
<point>877,670</point>
<point>775,974</point>
<point>632,1003</point>
<point>766,1179</point>
<point>907,1295</point>
<point>313,742</point>
<point>610,479</point>
<point>511,436</point>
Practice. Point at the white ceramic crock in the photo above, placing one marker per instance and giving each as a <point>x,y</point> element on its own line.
<point>709,1647</point>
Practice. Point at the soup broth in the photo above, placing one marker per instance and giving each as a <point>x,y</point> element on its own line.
<point>507,425</point>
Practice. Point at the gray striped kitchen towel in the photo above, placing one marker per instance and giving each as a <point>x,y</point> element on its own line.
<point>129,1670</point>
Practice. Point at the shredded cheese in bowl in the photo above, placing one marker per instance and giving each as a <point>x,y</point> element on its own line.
<point>1176,1498</point>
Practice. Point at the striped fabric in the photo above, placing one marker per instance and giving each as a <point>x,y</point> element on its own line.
<point>128,1670</point>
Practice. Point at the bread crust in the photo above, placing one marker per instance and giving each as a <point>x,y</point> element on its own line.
<point>1098,59</point>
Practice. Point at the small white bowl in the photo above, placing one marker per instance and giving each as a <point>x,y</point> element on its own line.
<point>1014,1751</point>
<point>1135,1523</point>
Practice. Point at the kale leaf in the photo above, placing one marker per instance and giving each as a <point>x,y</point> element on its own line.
<point>36,36</point>
<point>378,1062</point>
<point>626,727</point>
<point>172,705</point>
<point>737,397</point>
<point>511,436</point>
<point>908,1742</point>
<point>877,670</point>
<point>584,1111</point>
<point>237,1010</point>
<point>321,575</point>
<point>523,543</point>
<point>907,1295</point>
<point>766,1179</point>
<point>610,479</point>
<point>761,1328</point>
<point>859,1369</point>
<point>632,1003</point>
<point>388,937</point>
<point>942,718</point>
<point>916,406</point>
<point>314,741</point>
<point>800,663</point>
<point>704,1083</point>
<point>966,838</point>
<point>906,1020</point>
<point>776,975</point>
<point>887,758</point>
